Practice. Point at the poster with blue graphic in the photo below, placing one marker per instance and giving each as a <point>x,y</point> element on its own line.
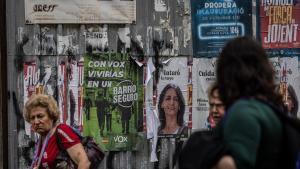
<point>214,22</point>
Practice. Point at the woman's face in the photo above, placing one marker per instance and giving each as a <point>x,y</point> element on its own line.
<point>40,120</point>
<point>170,103</point>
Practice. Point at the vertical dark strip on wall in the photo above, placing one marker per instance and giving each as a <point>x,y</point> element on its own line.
<point>3,88</point>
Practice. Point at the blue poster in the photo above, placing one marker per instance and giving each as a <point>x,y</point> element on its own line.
<point>214,22</point>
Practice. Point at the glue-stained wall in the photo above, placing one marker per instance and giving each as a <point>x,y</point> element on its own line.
<point>121,68</point>
<point>38,54</point>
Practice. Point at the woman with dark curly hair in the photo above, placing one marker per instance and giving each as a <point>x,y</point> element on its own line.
<point>251,129</point>
<point>171,109</point>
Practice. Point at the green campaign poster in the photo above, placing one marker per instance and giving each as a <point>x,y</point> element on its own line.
<point>113,100</point>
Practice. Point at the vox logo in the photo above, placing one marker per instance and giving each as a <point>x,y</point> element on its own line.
<point>121,139</point>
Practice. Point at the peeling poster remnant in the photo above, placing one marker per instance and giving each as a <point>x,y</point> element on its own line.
<point>96,39</point>
<point>67,44</point>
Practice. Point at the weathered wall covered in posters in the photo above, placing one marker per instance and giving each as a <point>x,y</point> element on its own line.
<point>42,57</point>
<point>54,59</point>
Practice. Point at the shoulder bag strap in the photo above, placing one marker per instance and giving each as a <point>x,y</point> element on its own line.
<point>58,141</point>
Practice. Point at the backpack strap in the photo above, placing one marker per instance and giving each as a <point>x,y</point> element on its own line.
<point>63,158</point>
<point>282,115</point>
<point>58,141</point>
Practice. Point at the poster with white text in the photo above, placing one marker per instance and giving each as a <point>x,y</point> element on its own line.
<point>214,22</point>
<point>79,11</point>
<point>172,95</point>
<point>113,100</point>
<point>203,76</point>
<point>279,24</point>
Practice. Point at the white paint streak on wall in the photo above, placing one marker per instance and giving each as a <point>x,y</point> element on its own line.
<point>254,8</point>
<point>186,31</point>
<point>36,43</point>
<point>176,45</point>
<point>123,34</point>
<point>139,39</point>
<point>20,34</point>
<point>148,37</point>
<point>186,24</point>
<point>160,6</point>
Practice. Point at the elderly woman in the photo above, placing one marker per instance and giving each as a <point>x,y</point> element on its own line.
<point>216,107</point>
<point>42,113</point>
<point>171,110</point>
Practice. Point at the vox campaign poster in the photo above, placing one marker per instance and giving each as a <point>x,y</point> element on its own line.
<point>172,98</point>
<point>279,23</point>
<point>203,76</point>
<point>113,100</point>
<point>214,22</point>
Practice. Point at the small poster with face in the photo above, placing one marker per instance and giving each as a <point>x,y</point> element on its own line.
<point>172,98</point>
<point>287,78</point>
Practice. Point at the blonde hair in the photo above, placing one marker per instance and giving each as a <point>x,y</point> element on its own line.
<point>41,100</point>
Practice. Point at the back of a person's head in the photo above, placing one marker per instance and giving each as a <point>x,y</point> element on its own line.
<point>244,70</point>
